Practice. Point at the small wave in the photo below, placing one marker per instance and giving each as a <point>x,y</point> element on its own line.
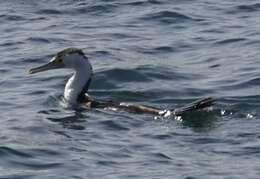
<point>113,125</point>
<point>38,39</point>
<point>6,151</point>
<point>156,50</point>
<point>49,12</point>
<point>208,140</point>
<point>215,66</point>
<point>122,36</point>
<point>230,41</point>
<point>9,43</point>
<point>96,9</point>
<point>253,42</point>
<point>101,53</point>
<point>142,3</point>
<point>36,93</point>
<point>99,83</point>
<point>138,74</point>
<point>244,9</point>
<point>36,165</point>
<point>252,82</point>
<point>13,17</point>
<point>9,84</point>
<point>163,49</point>
<point>167,17</point>
<point>108,163</point>
<point>34,60</point>
<point>162,156</point>
<point>136,95</point>
<point>126,75</point>
<point>71,121</point>
<point>248,8</point>
<point>243,84</point>
<point>22,175</point>
<point>161,136</point>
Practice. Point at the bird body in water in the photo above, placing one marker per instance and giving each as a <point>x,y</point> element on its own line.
<point>76,88</point>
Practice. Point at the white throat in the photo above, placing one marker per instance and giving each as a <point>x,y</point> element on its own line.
<point>75,85</point>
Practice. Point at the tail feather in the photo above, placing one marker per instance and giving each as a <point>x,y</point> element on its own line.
<point>196,105</point>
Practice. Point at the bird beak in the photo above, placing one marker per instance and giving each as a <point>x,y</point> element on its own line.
<point>53,64</point>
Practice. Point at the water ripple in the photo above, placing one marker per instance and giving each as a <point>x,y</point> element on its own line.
<point>49,12</point>
<point>38,40</point>
<point>13,17</point>
<point>247,8</point>
<point>96,9</point>
<point>168,17</point>
<point>5,151</point>
<point>230,41</point>
<point>143,3</point>
<point>36,165</point>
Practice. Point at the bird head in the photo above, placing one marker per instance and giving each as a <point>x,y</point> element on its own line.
<point>68,58</point>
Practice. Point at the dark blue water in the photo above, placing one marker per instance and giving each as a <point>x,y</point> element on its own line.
<point>163,53</point>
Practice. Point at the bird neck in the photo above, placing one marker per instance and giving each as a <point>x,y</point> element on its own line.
<point>78,84</point>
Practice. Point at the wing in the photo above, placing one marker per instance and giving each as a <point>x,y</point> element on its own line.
<point>82,97</point>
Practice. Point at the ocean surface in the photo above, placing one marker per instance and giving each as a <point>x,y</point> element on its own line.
<point>163,53</point>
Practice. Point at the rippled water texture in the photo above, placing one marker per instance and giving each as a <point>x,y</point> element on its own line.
<point>163,53</point>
